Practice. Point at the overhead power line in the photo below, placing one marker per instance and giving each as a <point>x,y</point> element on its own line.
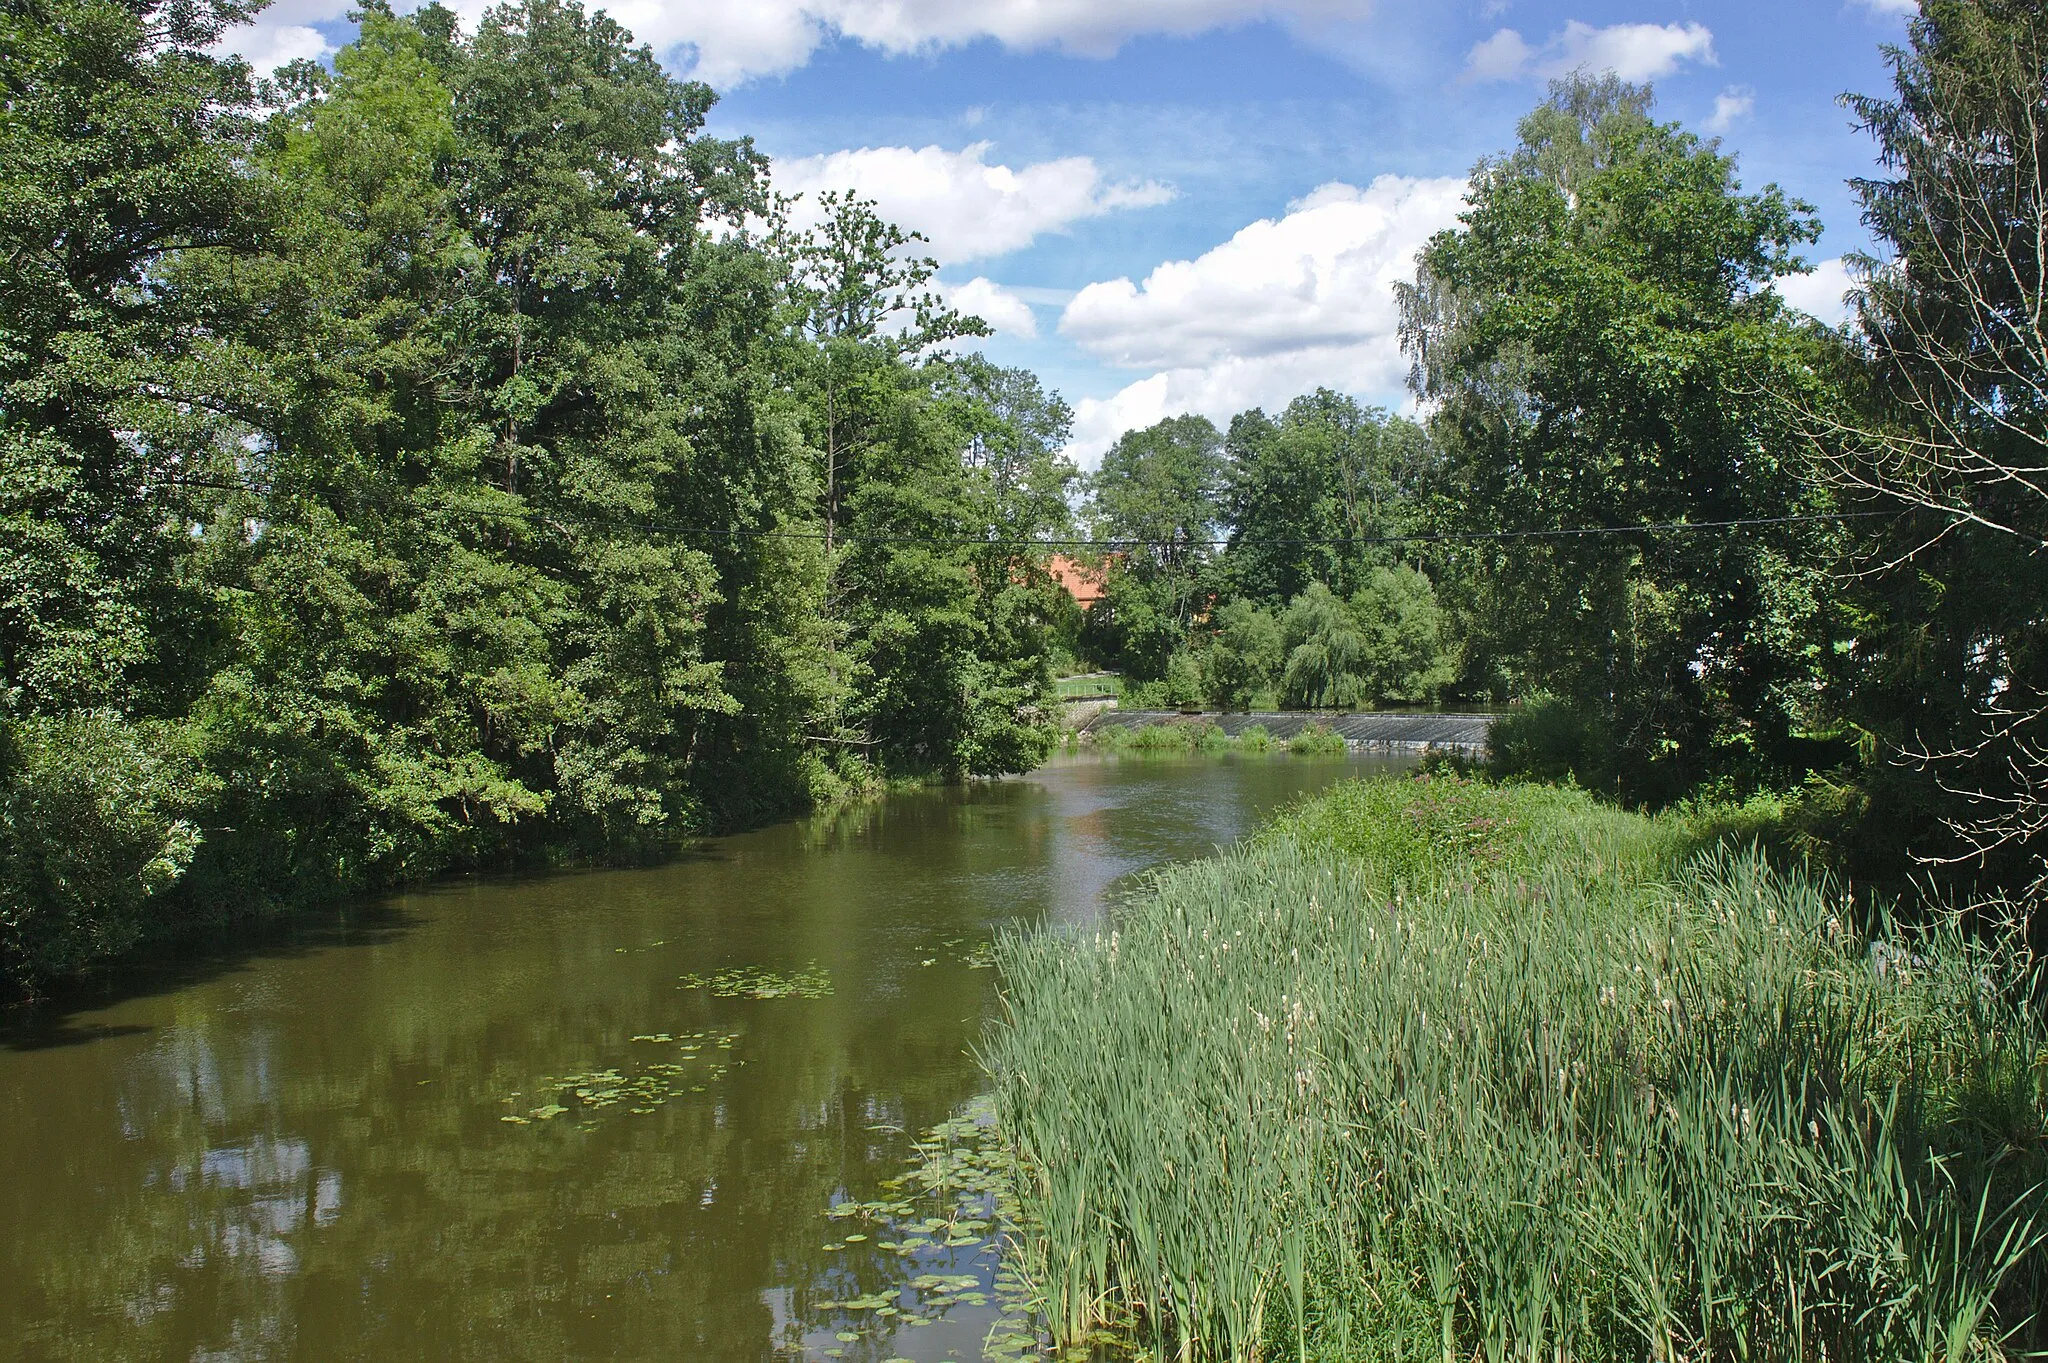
<point>1113,544</point>
<point>1438,537</point>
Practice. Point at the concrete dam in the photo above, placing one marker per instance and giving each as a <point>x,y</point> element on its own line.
<point>1367,732</point>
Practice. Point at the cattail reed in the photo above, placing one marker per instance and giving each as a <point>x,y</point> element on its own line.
<point>1438,1070</point>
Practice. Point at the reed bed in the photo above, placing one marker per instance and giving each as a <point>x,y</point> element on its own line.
<point>1439,1070</point>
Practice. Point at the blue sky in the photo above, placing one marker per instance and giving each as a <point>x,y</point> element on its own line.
<point>1169,205</point>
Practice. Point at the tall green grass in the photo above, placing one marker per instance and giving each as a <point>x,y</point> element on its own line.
<point>1198,736</point>
<point>1439,1070</point>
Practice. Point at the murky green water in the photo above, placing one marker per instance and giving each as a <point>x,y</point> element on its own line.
<point>493,1121</point>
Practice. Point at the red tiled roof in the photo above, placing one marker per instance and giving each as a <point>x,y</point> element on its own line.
<point>1081,582</point>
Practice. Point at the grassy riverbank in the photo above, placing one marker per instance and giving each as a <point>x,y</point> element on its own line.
<point>1202,735</point>
<point>1432,1069</point>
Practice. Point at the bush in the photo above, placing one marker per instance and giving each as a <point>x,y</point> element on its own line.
<point>1549,739</point>
<point>1183,680</point>
<point>98,823</point>
<point>1244,658</point>
<point>1317,740</point>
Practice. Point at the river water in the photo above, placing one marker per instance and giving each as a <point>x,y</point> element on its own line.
<point>523,1119</point>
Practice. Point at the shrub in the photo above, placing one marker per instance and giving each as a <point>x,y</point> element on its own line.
<point>98,824</point>
<point>1316,740</point>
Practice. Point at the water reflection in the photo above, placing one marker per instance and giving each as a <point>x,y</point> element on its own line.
<point>308,1156</point>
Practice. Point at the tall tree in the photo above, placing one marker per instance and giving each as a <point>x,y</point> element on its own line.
<point>1160,490</point>
<point>124,147</point>
<point>1954,339</point>
<point>1306,494</point>
<point>1597,338</point>
<point>124,150</point>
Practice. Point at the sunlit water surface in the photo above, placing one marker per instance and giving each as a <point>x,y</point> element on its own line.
<point>340,1145</point>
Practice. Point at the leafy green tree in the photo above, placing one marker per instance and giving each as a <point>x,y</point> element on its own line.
<point>1326,652</point>
<point>1329,470</point>
<point>440,470</point>
<point>1244,659</point>
<point>935,467</point>
<point>1134,626</point>
<point>1952,365</point>
<point>1406,657</point>
<point>124,150</point>
<point>123,147</point>
<point>1598,339</point>
<point>1159,488</point>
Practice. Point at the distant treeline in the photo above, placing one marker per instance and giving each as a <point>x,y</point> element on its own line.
<point>453,459</point>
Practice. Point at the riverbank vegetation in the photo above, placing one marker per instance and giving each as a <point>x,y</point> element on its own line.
<point>458,458</point>
<point>1198,735</point>
<point>1442,1069</point>
<point>1698,539</point>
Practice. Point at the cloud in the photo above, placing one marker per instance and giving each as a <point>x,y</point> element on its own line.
<point>729,41</point>
<point>1892,9</point>
<point>968,208</point>
<point>1736,102</point>
<point>1000,307</point>
<point>282,33</point>
<point>1635,52</point>
<point>1284,306</point>
<point>1819,294</point>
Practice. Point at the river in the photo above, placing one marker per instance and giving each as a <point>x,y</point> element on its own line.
<point>529,1119</point>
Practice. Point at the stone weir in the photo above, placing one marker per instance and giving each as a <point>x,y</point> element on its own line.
<point>1460,733</point>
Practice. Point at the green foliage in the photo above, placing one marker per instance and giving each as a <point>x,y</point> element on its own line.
<point>441,466</point>
<point>1316,740</point>
<point>1546,738</point>
<point>1325,652</point>
<point>96,828</point>
<point>1328,469</point>
<point>1406,656</point>
<point>122,140</point>
<point>1948,368</point>
<point>1160,486</point>
<point>1600,340</point>
<point>1385,644</point>
<point>1244,659</point>
<point>1444,1070</point>
<point>1184,682</point>
<point>1134,626</point>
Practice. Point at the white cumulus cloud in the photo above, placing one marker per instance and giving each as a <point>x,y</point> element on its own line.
<point>1731,105</point>
<point>283,33</point>
<point>728,41</point>
<point>1284,306</point>
<point>1635,52</point>
<point>994,304</point>
<point>1819,294</point>
<point>968,208</point>
<point>1901,9</point>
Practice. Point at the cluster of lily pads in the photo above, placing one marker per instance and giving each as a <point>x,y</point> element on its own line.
<point>754,982</point>
<point>957,1203</point>
<point>702,1060</point>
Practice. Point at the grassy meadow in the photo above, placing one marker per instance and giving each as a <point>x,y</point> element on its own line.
<point>1436,1069</point>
